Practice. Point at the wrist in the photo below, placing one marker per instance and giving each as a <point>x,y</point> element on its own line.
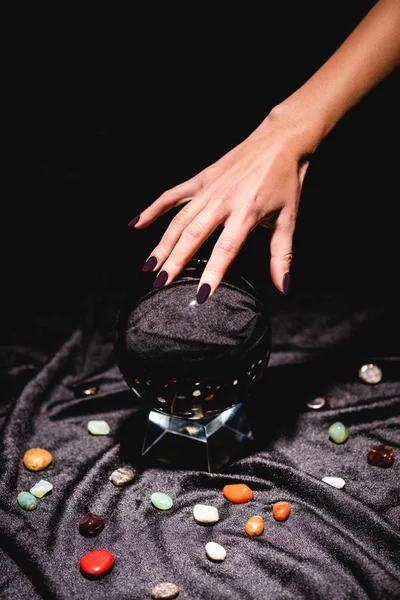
<point>304,125</point>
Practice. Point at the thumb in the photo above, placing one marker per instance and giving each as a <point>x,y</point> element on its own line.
<point>281,255</point>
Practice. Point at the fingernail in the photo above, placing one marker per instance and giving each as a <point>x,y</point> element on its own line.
<point>160,279</point>
<point>134,221</point>
<point>149,264</point>
<point>286,283</point>
<point>203,293</point>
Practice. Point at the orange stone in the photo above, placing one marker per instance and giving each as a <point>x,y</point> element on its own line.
<point>238,492</point>
<point>37,459</point>
<point>255,526</point>
<point>281,510</point>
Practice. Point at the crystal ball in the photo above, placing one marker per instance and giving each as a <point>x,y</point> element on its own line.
<point>192,360</point>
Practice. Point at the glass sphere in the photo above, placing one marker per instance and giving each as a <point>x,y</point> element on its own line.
<point>192,360</point>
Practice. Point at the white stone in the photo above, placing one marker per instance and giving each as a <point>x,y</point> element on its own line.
<point>99,427</point>
<point>370,373</point>
<point>203,513</point>
<point>215,551</point>
<point>336,482</point>
<point>41,488</point>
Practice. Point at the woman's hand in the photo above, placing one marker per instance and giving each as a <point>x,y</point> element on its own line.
<point>257,183</point>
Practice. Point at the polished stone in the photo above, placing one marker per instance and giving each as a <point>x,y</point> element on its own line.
<point>370,373</point>
<point>41,488</point>
<point>336,482</point>
<point>281,510</point>
<point>37,459</point>
<point>203,513</point>
<point>318,403</point>
<point>91,524</point>
<point>161,500</point>
<point>254,526</point>
<point>27,501</point>
<point>122,476</point>
<point>215,551</point>
<point>99,427</point>
<point>90,391</point>
<point>165,590</point>
<point>238,492</point>
<point>381,456</point>
<point>97,562</point>
<point>338,432</point>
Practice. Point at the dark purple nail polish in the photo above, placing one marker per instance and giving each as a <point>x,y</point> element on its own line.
<point>149,264</point>
<point>160,279</point>
<point>203,293</point>
<point>286,283</point>
<point>134,221</point>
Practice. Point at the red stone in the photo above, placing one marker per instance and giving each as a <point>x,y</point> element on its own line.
<point>238,493</point>
<point>97,562</point>
<point>381,456</point>
<point>281,510</point>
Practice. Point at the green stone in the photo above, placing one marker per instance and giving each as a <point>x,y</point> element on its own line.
<point>338,432</point>
<point>27,501</point>
<point>41,488</point>
<point>99,427</point>
<point>161,500</point>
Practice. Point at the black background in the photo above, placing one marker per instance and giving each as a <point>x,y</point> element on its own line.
<point>111,110</point>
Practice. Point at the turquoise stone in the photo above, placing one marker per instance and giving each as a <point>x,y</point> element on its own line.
<point>161,500</point>
<point>27,501</point>
<point>99,427</point>
<point>338,432</point>
<point>41,488</point>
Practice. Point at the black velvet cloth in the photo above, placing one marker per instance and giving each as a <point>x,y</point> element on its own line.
<point>335,544</point>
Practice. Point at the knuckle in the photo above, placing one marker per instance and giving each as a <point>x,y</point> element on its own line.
<point>182,217</point>
<point>194,231</point>
<point>167,196</point>
<point>227,246</point>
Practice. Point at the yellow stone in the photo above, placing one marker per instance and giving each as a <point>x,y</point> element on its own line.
<point>37,459</point>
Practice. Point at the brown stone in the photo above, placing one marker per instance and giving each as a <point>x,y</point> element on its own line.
<point>122,476</point>
<point>281,510</point>
<point>255,526</point>
<point>381,456</point>
<point>37,459</point>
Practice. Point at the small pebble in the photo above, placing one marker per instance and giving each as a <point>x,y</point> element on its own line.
<point>27,501</point>
<point>238,493</point>
<point>165,590</point>
<point>255,526</point>
<point>161,500</point>
<point>37,459</point>
<point>318,403</point>
<point>336,482</point>
<point>122,476</point>
<point>41,488</point>
<point>97,562</point>
<point>281,510</point>
<point>91,524</point>
<point>381,456</point>
<point>215,551</point>
<point>99,427</point>
<point>370,373</point>
<point>203,513</point>
<point>338,432</point>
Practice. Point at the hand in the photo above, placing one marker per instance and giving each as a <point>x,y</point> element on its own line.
<point>257,183</point>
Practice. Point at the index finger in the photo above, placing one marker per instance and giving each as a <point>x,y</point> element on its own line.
<point>232,238</point>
